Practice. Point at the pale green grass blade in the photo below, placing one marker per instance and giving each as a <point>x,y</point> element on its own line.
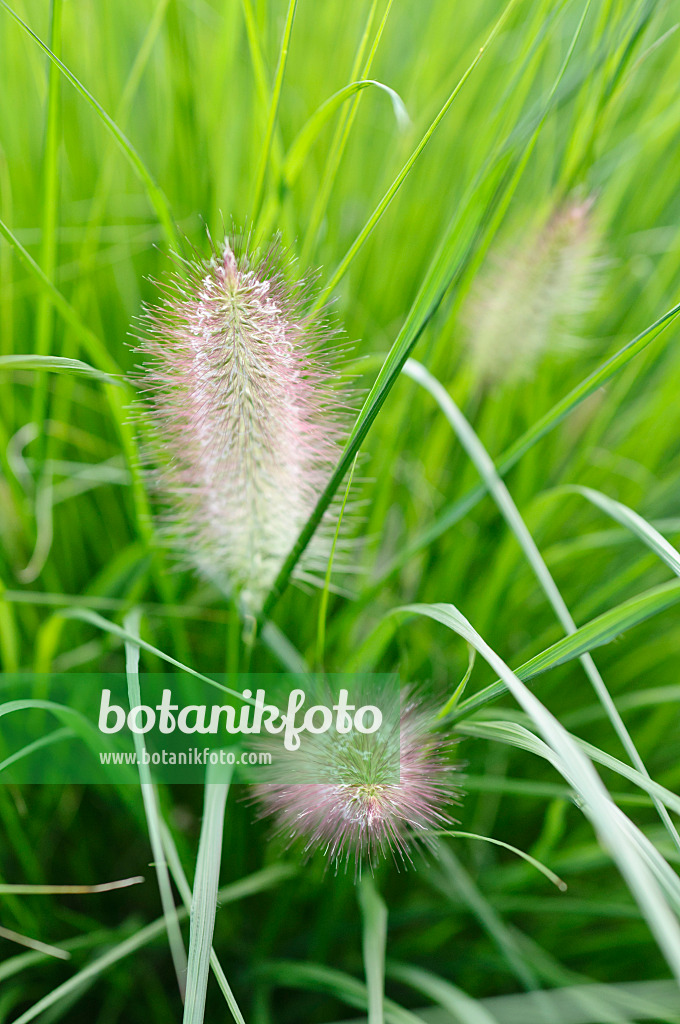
<point>41,947</point>
<point>45,741</point>
<point>599,631</point>
<point>57,364</point>
<point>93,345</point>
<point>286,653</point>
<point>273,111</point>
<point>647,533</point>
<point>578,770</point>
<point>154,192</point>
<point>277,872</point>
<point>116,399</point>
<point>152,811</point>
<point>508,509</point>
<point>374,938</point>
<point>204,896</point>
<point>437,281</point>
<point>123,634</point>
<point>550,875</point>
<point>519,736</point>
<point>308,134</point>
<point>50,890</point>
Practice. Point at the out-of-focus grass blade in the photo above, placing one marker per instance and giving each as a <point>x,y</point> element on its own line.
<point>464,1008</point>
<point>374,937</point>
<point>308,134</point>
<point>273,110</point>
<point>56,364</point>
<point>578,770</point>
<point>599,631</point>
<point>93,345</point>
<point>204,897</point>
<point>647,533</point>
<point>430,294</point>
<point>318,978</point>
<point>50,207</point>
<point>154,192</point>
<point>367,229</point>
<point>360,70</point>
<point>152,810</point>
<point>71,719</point>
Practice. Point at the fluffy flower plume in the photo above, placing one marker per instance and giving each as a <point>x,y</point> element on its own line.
<point>242,414</point>
<point>377,795</point>
<point>534,298</point>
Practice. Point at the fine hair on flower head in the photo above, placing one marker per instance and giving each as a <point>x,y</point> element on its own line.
<point>372,797</point>
<point>243,414</point>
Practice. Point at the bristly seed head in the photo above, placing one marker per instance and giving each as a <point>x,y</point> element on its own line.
<point>377,796</point>
<point>242,415</point>
<point>533,299</point>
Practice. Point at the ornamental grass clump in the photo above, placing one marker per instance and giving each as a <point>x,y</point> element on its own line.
<point>534,298</point>
<point>377,796</point>
<point>243,416</point>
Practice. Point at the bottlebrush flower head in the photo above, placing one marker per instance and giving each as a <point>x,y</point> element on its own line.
<point>243,416</point>
<point>376,795</point>
<point>534,298</point>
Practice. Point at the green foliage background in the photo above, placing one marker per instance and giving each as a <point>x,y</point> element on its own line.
<point>178,130</point>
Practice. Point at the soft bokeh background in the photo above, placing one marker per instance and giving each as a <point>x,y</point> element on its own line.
<point>189,84</point>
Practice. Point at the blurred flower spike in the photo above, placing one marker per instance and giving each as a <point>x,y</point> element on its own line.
<point>535,297</point>
<point>242,416</point>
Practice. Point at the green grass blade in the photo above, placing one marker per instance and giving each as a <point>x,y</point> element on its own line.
<point>647,533</point>
<point>451,998</point>
<point>512,455</point>
<point>152,811</point>
<point>144,937</point>
<point>550,875</point>
<point>374,937</point>
<point>578,770</point>
<point>57,364</point>
<point>596,633</point>
<point>154,192</point>
<point>277,871</point>
<point>508,509</point>
<point>273,111</point>
<point>309,133</point>
<point>323,603</point>
<point>401,177</point>
<point>342,132</point>
<point>48,242</point>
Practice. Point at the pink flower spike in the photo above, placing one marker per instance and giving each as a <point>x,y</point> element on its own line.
<point>357,810</point>
<point>242,416</point>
